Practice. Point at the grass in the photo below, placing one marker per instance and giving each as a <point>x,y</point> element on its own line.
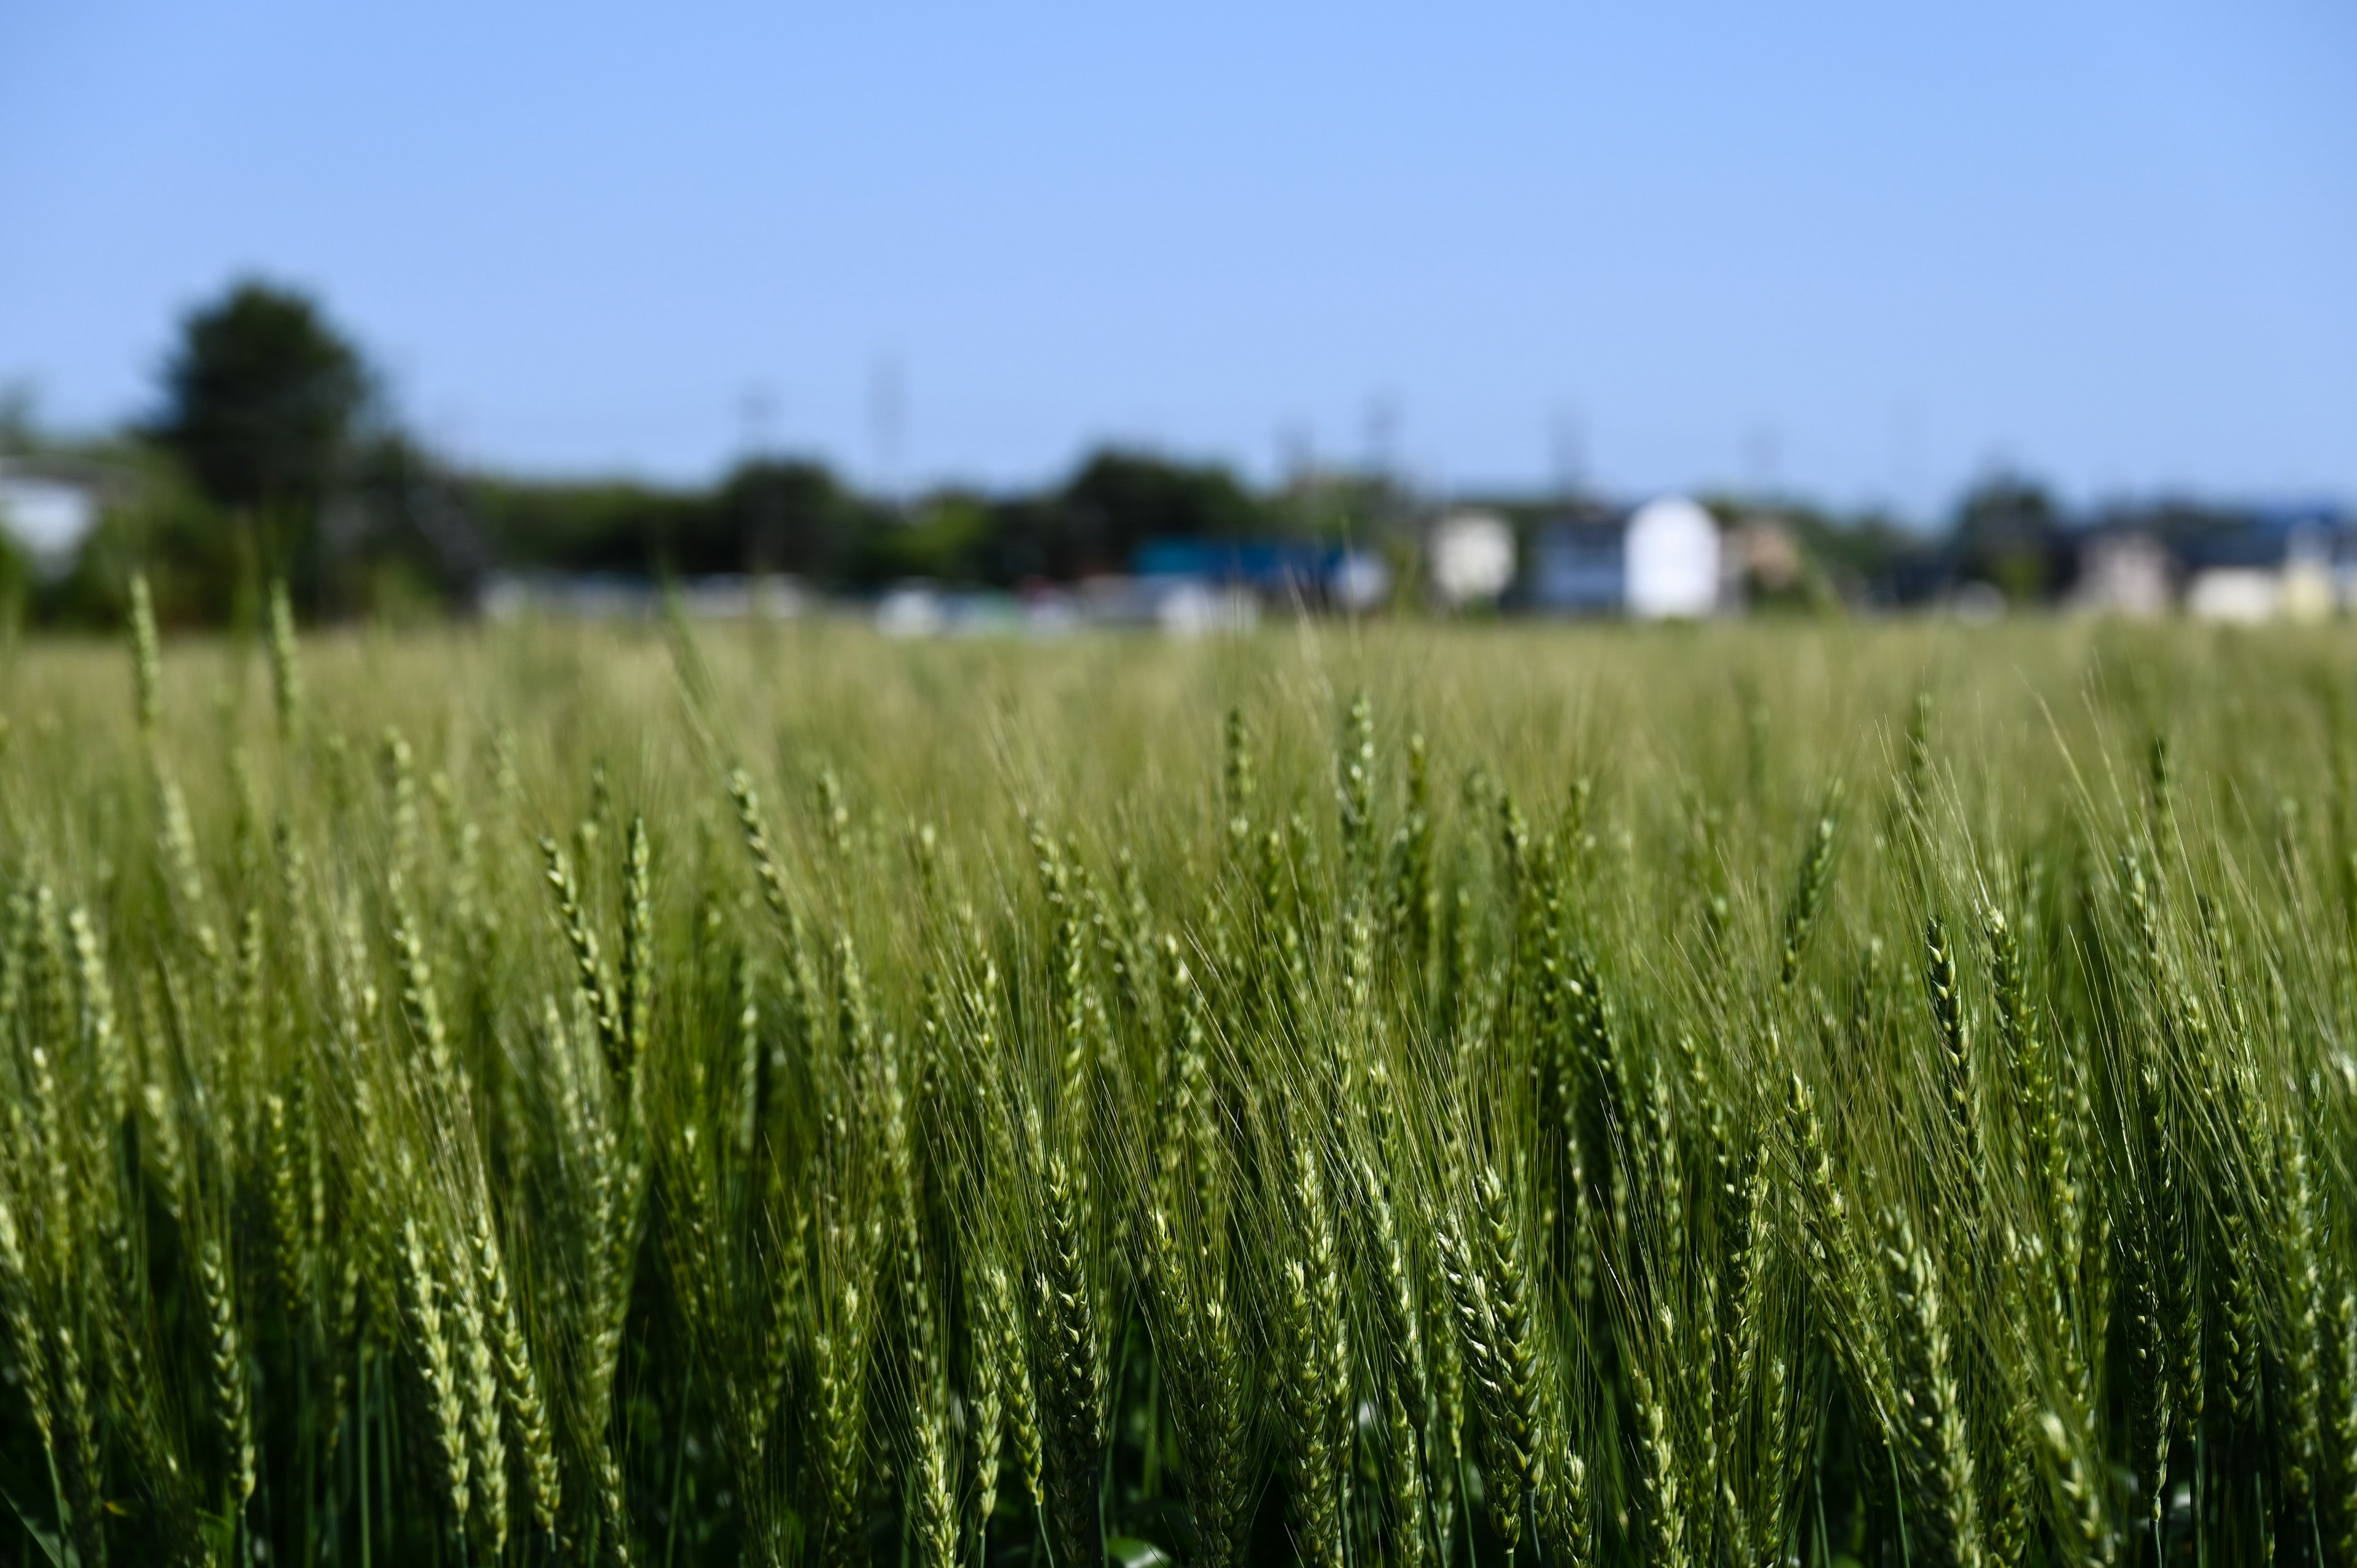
<point>1450,1099</point>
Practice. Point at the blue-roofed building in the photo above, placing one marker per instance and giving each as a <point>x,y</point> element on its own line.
<point>1579,566</point>
<point>1279,570</point>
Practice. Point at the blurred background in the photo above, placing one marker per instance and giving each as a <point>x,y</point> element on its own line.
<point>1032,316</point>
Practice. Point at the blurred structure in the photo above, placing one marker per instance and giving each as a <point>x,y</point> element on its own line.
<point>1471,558</point>
<point>1579,566</point>
<point>912,609</point>
<point>2245,564</point>
<point>1192,610</point>
<point>2308,581</point>
<point>1359,584</point>
<point>1179,606</point>
<point>1659,562</point>
<point>2269,563</point>
<point>47,509</point>
<point>2245,594</point>
<point>1672,549</point>
<point>592,595</point>
<point>1977,603</point>
<point>1764,558</point>
<point>2012,546</point>
<point>2124,571</point>
<point>1277,572</point>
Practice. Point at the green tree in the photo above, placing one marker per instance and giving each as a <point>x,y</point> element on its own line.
<point>943,539</point>
<point>263,400</point>
<point>783,515</point>
<point>1120,501</point>
<point>2009,533</point>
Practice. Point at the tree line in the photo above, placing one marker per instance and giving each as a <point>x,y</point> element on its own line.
<point>274,453</point>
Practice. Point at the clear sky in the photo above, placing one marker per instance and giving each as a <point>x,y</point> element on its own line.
<point>1864,252</point>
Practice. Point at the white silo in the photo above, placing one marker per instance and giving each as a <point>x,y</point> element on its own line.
<point>1673,560</point>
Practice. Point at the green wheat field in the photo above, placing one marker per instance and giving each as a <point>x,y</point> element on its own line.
<point>1407,1096</point>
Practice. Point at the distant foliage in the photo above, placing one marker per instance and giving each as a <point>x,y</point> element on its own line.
<point>262,396</point>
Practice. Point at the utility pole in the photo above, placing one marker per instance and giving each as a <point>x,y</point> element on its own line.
<point>1567,447</point>
<point>887,414</point>
<point>757,412</point>
<point>762,524</point>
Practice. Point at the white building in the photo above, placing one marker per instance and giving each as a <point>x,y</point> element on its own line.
<point>46,514</point>
<point>1472,558</point>
<point>2246,593</point>
<point>599,595</point>
<point>1360,582</point>
<point>2287,575</point>
<point>2308,586</point>
<point>2124,571</point>
<point>1672,549</point>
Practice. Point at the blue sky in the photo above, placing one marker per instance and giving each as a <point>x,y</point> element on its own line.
<point>1864,252</point>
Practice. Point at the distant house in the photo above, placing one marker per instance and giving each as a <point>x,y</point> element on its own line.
<point>2124,571</point>
<point>608,596</point>
<point>2267,561</point>
<point>2219,563</point>
<point>1672,548</point>
<point>47,509</point>
<point>1318,576</point>
<point>1659,562</point>
<point>1579,566</point>
<point>2233,593</point>
<point>1471,557</point>
<point>1765,557</point>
